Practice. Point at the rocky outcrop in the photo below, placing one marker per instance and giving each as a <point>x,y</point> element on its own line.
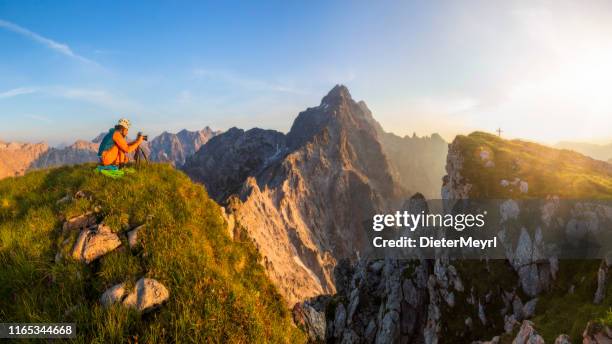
<point>528,334</point>
<point>596,333</point>
<point>602,279</point>
<point>147,295</point>
<point>310,316</point>
<point>177,148</point>
<point>132,237</point>
<point>15,158</point>
<point>382,301</point>
<point>92,244</point>
<point>80,222</point>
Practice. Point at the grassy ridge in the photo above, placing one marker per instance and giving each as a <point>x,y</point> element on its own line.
<point>548,171</point>
<point>218,291</point>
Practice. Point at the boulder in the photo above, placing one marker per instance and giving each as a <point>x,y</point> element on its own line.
<point>112,295</point>
<point>132,237</point>
<point>79,222</point>
<point>147,295</point>
<point>528,334</point>
<point>93,244</point>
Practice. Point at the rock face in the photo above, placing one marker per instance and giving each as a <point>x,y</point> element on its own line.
<point>310,316</point>
<point>77,153</point>
<point>224,163</point>
<point>15,158</point>
<point>176,148</point>
<point>383,301</point>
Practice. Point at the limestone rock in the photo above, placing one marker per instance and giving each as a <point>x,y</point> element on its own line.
<point>529,308</point>
<point>602,274</point>
<point>147,295</point>
<point>230,219</point>
<point>528,334</point>
<point>132,236</point>
<point>339,321</point>
<point>596,333</point>
<point>112,295</point>
<point>311,320</point>
<point>93,244</point>
<point>79,222</point>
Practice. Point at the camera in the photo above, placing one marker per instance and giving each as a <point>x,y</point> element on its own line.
<point>144,137</point>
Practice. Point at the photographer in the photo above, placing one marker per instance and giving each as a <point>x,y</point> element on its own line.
<point>114,148</point>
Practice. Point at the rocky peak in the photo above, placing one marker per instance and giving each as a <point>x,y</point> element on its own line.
<point>338,94</point>
<point>225,162</point>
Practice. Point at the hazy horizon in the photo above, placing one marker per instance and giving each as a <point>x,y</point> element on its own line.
<point>539,70</point>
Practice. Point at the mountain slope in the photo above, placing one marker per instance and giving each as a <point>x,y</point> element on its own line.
<point>78,153</point>
<point>15,158</point>
<point>218,291</point>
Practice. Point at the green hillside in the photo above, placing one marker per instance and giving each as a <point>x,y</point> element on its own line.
<point>218,291</point>
<point>548,171</point>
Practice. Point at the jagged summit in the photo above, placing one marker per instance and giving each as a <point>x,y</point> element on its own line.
<point>338,93</point>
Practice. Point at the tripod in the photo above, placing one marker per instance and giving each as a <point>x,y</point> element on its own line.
<point>140,156</point>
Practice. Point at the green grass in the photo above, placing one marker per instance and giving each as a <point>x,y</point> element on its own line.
<point>548,171</point>
<point>218,290</point>
<point>563,312</point>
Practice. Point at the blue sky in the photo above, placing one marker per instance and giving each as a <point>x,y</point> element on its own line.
<point>540,70</point>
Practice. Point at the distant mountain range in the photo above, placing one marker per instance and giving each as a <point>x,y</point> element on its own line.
<point>18,158</point>
<point>595,151</point>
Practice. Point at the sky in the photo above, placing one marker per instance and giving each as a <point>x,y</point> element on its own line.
<point>539,70</point>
